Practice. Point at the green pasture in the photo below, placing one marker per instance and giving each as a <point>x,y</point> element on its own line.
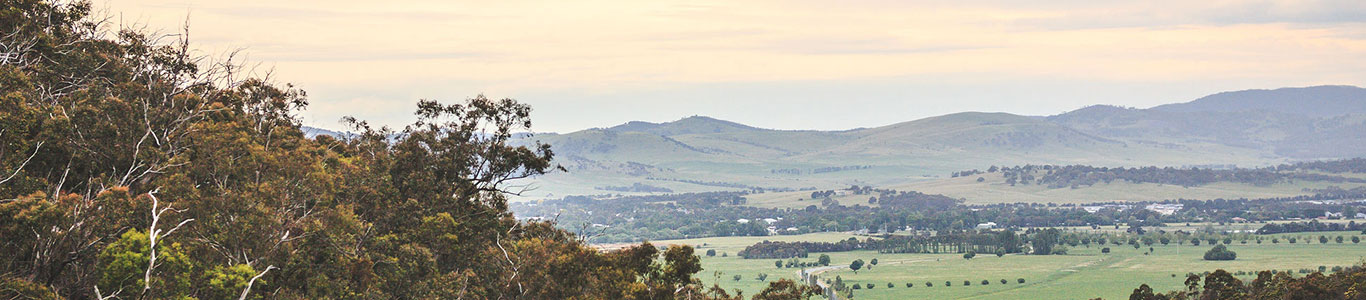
<point>1083,273</point>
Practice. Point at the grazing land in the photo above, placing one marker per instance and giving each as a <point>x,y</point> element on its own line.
<point>1084,272</point>
<point>992,190</point>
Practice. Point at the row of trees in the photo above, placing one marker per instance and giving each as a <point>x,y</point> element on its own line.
<point>769,249</point>
<point>1311,226</point>
<point>1075,176</point>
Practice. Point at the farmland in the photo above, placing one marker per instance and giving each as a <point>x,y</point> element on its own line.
<point>1084,272</point>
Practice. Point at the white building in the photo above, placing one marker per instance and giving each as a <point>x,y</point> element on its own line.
<point>987,225</point>
<point>1165,209</point>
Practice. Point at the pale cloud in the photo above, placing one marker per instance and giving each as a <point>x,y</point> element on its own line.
<point>580,62</point>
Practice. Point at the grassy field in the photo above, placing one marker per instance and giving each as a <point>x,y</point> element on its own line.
<point>994,190</point>
<point>1082,274</point>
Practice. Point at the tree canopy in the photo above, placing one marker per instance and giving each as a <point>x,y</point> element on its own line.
<point>132,168</point>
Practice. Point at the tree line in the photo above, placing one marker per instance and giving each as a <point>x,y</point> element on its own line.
<point>1075,176</point>
<point>1311,226</point>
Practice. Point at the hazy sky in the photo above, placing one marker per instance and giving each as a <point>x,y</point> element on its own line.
<point>774,64</point>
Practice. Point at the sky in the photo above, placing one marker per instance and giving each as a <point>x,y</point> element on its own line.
<point>826,65</point>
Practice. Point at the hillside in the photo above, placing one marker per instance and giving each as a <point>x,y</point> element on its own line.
<point>1292,123</point>
<point>1246,128</point>
<point>1314,101</point>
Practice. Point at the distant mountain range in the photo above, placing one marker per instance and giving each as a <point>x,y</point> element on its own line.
<point>1245,128</point>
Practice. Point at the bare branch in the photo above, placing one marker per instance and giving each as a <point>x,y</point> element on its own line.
<point>247,290</point>
<point>25,163</point>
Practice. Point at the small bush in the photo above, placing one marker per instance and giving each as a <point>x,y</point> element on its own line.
<point>908,284</point>
<point>967,283</point>
<point>929,284</point>
<point>986,282</point>
<point>1004,281</point>
<point>1105,250</point>
<point>1019,280</point>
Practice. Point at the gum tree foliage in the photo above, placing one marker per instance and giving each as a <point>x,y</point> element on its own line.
<point>1220,284</point>
<point>131,168</point>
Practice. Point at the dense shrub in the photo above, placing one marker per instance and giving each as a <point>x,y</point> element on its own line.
<point>1219,252</point>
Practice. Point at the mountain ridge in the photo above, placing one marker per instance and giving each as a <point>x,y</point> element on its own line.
<point>1254,132</point>
<point>701,153</point>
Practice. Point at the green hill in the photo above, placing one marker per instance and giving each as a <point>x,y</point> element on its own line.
<point>705,154</point>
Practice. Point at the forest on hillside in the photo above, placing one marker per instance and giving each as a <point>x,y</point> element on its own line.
<point>135,169</point>
<point>1076,176</point>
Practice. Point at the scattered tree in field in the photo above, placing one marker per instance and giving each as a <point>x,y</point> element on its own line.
<point>778,264</point>
<point>1323,239</point>
<point>736,277</point>
<point>969,255</point>
<point>711,252</point>
<point>890,285</point>
<point>1219,252</point>
<point>1004,281</point>
<point>929,284</point>
<point>967,283</point>
<point>908,284</point>
<point>824,260</point>
<point>1195,242</point>
<point>762,276</point>
<point>872,263</point>
<point>1338,239</point>
<point>1020,280</point>
<point>1356,240</point>
<point>986,282</point>
<point>869,285</point>
<point>1105,250</point>
<point>948,283</point>
<point>856,265</point>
